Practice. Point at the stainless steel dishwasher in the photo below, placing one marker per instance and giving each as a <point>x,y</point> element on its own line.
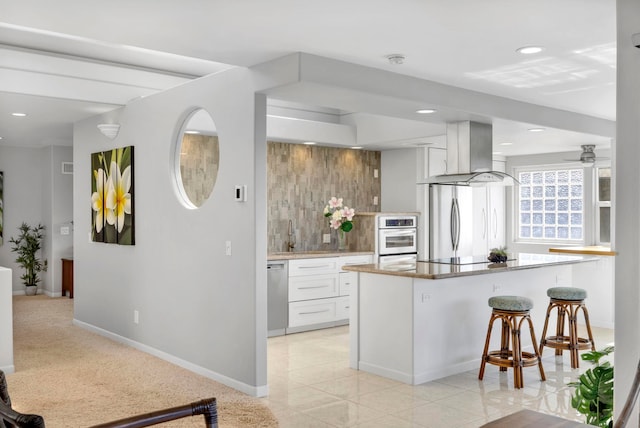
<point>277,297</point>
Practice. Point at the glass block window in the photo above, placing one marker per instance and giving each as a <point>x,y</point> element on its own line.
<point>551,204</point>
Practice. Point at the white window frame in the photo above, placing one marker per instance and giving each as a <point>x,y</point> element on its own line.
<point>587,206</point>
<point>597,203</point>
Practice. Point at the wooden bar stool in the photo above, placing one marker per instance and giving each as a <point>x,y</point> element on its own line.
<point>512,311</point>
<point>568,301</point>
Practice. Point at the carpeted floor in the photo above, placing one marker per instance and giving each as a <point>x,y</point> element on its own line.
<point>75,378</point>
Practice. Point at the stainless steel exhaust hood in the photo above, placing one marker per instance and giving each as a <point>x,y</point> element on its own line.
<point>470,156</point>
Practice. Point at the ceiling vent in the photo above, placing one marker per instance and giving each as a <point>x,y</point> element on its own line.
<point>67,167</point>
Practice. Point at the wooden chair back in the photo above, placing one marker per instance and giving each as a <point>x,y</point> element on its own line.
<point>206,407</point>
<point>9,418</point>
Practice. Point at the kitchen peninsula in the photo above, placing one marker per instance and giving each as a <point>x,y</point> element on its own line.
<point>419,322</point>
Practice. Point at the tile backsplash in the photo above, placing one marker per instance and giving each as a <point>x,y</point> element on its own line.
<point>300,181</point>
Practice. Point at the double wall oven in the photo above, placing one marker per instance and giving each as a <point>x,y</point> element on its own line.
<point>396,238</point>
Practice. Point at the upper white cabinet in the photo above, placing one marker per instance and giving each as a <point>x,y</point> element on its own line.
<point>433,161</point>
<point>437,161</point>
<point>499,165</point>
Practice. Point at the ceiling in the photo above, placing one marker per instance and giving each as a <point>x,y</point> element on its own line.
<point>65,63</point>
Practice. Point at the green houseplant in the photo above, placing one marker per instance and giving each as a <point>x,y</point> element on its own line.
<point>594,390</point>
<point>498,255</point>
<point>26,245</point>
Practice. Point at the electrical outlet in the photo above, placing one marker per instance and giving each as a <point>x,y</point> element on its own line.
<point>227,248</point>
<point>136,316</point>
<point>326,238</point>
<point>425,297</point>
<point>375,200</point>
<point>64,230</point>
<point>375,173</point>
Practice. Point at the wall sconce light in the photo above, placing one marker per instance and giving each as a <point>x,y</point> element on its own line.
<point>110,130</point>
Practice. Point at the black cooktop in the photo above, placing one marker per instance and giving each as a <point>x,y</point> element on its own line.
<point>467,260</point>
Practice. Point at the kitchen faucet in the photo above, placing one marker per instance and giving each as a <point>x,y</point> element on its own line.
<point>291,243</point>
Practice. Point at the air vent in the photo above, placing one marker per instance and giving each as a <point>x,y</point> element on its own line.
<point>67,167</point>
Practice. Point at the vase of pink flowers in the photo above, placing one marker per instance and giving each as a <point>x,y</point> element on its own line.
<point>340,218</point>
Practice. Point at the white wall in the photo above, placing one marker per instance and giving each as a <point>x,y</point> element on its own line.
<point>58,209</point>
<point>197,306</point>
<point>23,201</point>
<point>398,180</point>
<point>6,322</point>
<point>627,204</point>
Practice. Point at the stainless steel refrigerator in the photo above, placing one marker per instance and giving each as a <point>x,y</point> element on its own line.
<point>451,221</point>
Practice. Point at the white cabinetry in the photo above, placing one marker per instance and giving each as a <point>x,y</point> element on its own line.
<point>319,291</point>
<point>489,218</point>
<point>496,216</point>
<point>437,161</point>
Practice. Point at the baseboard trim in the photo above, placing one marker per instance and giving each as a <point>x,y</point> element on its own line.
<point>8,369</point>
<point>254,391</point>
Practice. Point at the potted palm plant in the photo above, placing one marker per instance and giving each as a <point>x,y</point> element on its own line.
<point>26,245</point>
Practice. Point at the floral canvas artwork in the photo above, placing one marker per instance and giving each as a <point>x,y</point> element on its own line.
<point>112,196</point>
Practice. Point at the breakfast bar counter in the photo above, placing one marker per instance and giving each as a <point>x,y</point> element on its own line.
<point>458,268</point>
<point>417,323</point>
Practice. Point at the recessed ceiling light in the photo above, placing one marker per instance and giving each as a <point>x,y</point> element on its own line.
<point>191,132</point>
<point>19,114</point>
<point>535,129</point>
<point>309,143</point>
<point>528,50</point>
<point>396,59</point>
<point>426,111</point>
<point>356,147</point>
<point>506,144</point>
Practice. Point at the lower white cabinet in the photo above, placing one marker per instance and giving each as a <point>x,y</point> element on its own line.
<point>342,307</point>
<point>312,312</point>
<point>347,279</point>
<point>319,291</point>
<point>313,287</point>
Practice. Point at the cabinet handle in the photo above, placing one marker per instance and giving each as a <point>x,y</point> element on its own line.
<point>314,312</point>
<point>314,267</point>
<point>312,286</point>
<point>347,307</point>
<point>495,224</point>
<point>484,223</point>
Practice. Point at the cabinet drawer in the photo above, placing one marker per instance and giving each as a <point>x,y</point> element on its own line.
<point>342,307</point>
<point>313,287</point>
<point>347,280</point>
<point>355,260</point>
<point>312,312</point>
<point>313,266</point>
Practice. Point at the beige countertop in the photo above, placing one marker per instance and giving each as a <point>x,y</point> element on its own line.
<point>426,270</point>
<point>314,254</point>
<point>594,250</point>
<point>379,213</point>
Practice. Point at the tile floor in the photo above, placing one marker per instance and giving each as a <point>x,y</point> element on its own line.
<point>311,385</point>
